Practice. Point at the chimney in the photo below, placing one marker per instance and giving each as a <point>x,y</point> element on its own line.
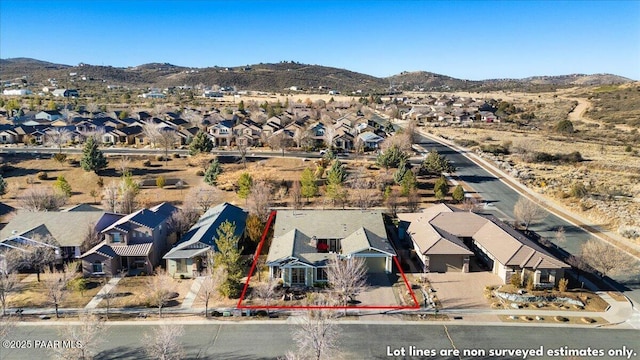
<point>313,241</point>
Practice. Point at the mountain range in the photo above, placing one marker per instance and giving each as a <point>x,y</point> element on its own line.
<point>278,77</point>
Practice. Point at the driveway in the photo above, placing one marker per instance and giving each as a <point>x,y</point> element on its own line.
<point>379,291</point>
<point>457,290</point>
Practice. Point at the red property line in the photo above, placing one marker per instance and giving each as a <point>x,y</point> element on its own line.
<point>311,307</point>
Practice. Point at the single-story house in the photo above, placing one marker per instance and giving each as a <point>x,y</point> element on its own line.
<point>187,257</point>
<point>304,241</point>
<point>370,140</point>
<point>444,238</point>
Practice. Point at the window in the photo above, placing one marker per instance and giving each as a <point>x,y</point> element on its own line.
<point>297,276</point>
<point>181,265</point>
<point>96,267</point>
<point>321,274</point>
<point>116,237</point>
<point>334,245</point>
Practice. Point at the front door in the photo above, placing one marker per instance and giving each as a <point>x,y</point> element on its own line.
<point>298,276</point>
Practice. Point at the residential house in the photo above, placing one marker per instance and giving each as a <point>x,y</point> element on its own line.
<point>304,241</point>
<point>247,133</point>
<point>67,229</point>
<point>133,244</point>
<point>187,258</point>
<point>49,115</point>
<point>8,136</point>
<point>370,140</point>
<point>445,238</point>
<point>222,133</point>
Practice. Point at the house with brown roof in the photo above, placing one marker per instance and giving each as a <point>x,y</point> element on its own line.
<point>444,239</point>
<point>133,244</point>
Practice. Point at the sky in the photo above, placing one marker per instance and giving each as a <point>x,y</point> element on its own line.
<point>472,40</point>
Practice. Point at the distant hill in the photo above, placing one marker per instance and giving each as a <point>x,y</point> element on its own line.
<point>278,77</point>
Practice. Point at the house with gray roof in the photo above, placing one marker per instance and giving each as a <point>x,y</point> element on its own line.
<point>188,257</point>
<point>444,238</point>
<point>66,228</point>
<point>304,241</point>
<point>132,244</point>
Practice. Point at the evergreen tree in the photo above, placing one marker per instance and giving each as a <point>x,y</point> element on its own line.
<point>228,256</point>
<point>337,174</point>
<point>441,188</point>
<point>92,158</point>
<point>244,185</point>
<point>62,186</point>
<point>241,106</point>
<point>392,157</point>
<point>308,183</point>
<point>409,182</point>
<point>435,164</point>
<point>399,174</point>
<point>201,143</point>
<point>3,186</point>
<point>458,193</point>
<point>211,176</point>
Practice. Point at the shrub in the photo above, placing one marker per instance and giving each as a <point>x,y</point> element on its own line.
<point>73,161</point>
<point>160,182</point>
<point>199,173</point>
<point>59,157</point>
<point>146,163</point>
<point>159,158</point>
<point>631,232</point>
<point>100,182</point>
<point>176,156</point>
<point>628,148</point>
<point>466,142</point>
<point>562,285</point>
<point>565,127</point>
<point>495,149</point>
<point>515,280</point>
<point>578,190</point>
<point>530,285</point>
<point>42,175</point>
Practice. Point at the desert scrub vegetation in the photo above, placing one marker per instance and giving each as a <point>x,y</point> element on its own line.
<point>616,104</point>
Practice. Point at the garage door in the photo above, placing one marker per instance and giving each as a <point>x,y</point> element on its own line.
<point>375,264</point>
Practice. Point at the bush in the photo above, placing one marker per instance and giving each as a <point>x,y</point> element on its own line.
<point>578,190</point>
<point>565,127</point>
<point>73,161</point>
<point>59,157</point>
<point>495,149</point>
<point>515,280</point>
<point>176,156</point>
<point>42,175</point>
<point>466,142</point>
<point>146,163</point>
<point>100,182</point>
<point>562,285</point>
<point>628,148</point>
<point>159,158</point>
<point>630,232</point>
<point>199,173</point>
<point>160,182</point>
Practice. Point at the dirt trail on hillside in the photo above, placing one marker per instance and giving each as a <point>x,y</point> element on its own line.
<point>578,114</point>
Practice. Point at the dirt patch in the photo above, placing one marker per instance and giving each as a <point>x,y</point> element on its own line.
<point>132,292</point>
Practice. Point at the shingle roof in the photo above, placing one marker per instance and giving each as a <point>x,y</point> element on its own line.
<point>204,231</point>
<point>67,228</point>
<point>149,218</point>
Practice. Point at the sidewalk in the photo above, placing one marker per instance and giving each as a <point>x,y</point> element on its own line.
<point>193,293</point>
<point>105,290</point>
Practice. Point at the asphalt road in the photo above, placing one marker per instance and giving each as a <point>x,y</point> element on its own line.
<point>501,199</point>
<point>365,341</point>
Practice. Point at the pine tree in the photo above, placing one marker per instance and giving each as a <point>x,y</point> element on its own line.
<point>228,256</point>
<point>435,164</point>
<point>211,176</point>
<point>337,174</point>
<point>399,174</point>
<point>308,182</point>
<point>409,182</point>
<point>441,188</point>
<point>458,193</point>
<point>200,143</point>
<point>92,158</point>
<point>244,185</point>
<point>392,157</point>
<point>62,186</point>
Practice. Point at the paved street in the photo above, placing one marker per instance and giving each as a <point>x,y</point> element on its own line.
<point>358,341</point>
<point>502,199</point>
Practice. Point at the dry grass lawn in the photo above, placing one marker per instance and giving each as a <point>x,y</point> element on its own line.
<point>33,294</point>
<point>131,292</point>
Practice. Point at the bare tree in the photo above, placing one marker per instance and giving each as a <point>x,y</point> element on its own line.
<point>110,197</point>
<point>8,284</point>
<point>329,135</point>
<point>470,204</point>
<point>55,285</point>
<point>401,140</point>
<point>124,164</point>
<point>210,285</point>
<point>167,139</point>
<point>92,108</point>
<point>527,212</point>
<point>183,219</point>
<point>607,259</point>
<point>279,141</point>
<point>560,235</point>
<point>41,199</point>
<point>363,190</point>
<point>204,197</point>
<point>317,336</point>
<point>91,238</point>
<point>266,291</point>
<point>159,289</point>
<point>163,342</point>
<point>96,134</point>
<point>87,335</point>
<point>37,256</point>
<point>413,201</point>
<point>259,199</point>
<point>151,130</point>
<point>57,137</point>
<point>347,277</point>
<point>296,194</point>
<point>242,149</point>
<point>193,117</point>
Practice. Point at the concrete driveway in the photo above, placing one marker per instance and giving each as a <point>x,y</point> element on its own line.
<point>379,291</point>
<point>457,290</point>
